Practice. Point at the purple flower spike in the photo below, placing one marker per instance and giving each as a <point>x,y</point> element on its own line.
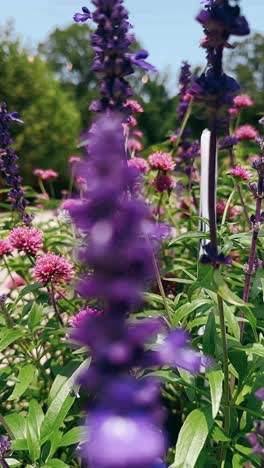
<point>115,441</point>
<point>118,245</point>
<point>114,60</point>
<point>9,169</point>
<point>82,17</point>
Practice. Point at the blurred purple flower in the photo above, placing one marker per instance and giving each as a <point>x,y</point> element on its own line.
<point>9,169</point>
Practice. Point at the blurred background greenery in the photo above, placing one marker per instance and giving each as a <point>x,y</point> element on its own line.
<point>53,88</point>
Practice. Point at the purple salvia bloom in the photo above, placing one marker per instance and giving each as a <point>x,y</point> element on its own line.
<point>82,17</point>
<point>9,169</point>
<point>220,20</point>
<point>117,250</point>
<point>113,61</point>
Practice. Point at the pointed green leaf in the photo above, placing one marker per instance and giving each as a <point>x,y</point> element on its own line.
<point>8,337</point>
<point>216,378</point>
<point>192,438</point>
<point>25,377</point>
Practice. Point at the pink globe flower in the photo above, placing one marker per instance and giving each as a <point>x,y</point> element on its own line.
<point>187,97</point>
<point>233,229</point>
<point>74,159</point>
<point>246,132</point>
<point>135,106</point>
<point>140,164</point>
<point>134,145</point>
<point>38,172</point>
<point>138,133</point>
<point>76,320</point>
<point>163,183</point>
<point>173,138</point>
<point>132,121</point>
<point>220,207</point>
<point>15,282</point>
<point>240,173</point>
<point>52,268</point>
<point>161,161</point>
<point>232,111</point>
<point>70,203</point>
<point>25,239</point>
<point>5,247</point>
<point>235,211</point>
<point>243,101</point>
<point>50,174</point>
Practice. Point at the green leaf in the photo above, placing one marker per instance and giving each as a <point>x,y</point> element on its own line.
<point>232,321</point>
<point>36,315</point>
<point>25,377</point>
<point>35,415</point>
<point>56,387</point>
<point>237,461</point>
<point>209,335</point>
<point>17,424</point>
<point>216,378</point>
<point>55,463</point>
<point>239,360</point>
<point>223,290</point>
<point>189,235</point>
<point>218,434</point>
<point>13,462</point>
<point>19,444</point>
<point>28,289</point>
<point>186,309</point>
<point>192,438</point>
<point>73,436</point>
<point>8,337</point>
<point>32,441</point>
<point>60,406</point>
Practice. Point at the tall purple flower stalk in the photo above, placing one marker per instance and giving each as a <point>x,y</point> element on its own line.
<point>257,189</point>
<point>124,424</point>
<point>114,60</point>
<point>9,170</point>
<point>220,20</point>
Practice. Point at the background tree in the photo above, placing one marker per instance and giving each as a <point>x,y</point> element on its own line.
<point>51,119</point>
<point>68,53</point>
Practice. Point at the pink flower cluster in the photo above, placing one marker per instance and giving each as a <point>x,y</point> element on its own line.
<point>161,161</point>
<point>220,208</point>
<point>246,132</point>
<point>135,106</point>
<point>240,173</point>
<point>76,320</point>
<point>163,183</point>
<point>5,247</point>
<point>27,240</point>
<point>134,145</point>
<point>48,174</point>
<point>243,101</point>
<point>52,268</point>
<point>140,164</point>
<point>74,159</point>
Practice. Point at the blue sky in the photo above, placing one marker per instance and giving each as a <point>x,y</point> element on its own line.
<point>165,27</point>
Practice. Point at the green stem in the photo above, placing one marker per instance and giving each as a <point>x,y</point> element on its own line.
<point>226,395</point>
<point>161,289</point>
<point>183,125</point>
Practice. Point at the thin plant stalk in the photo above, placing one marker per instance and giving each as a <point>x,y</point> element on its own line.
<point>238,187</point>
<point>183,125</point>
<point>54,305</point>
<point>250,270</point>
